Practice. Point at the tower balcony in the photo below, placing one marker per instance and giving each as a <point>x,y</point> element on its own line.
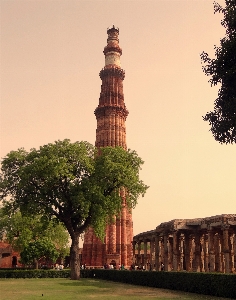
<point>112,71</point>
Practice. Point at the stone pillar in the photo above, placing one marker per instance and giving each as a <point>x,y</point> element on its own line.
<point>145,254</point>
<point>139,253</point>
<point>178,252</point>
<point>182,252</point>
<point>202,257</point>
<point>187,249</point>
<point>175,251</point>
<point>157,253</point>
<point>166,251</point>
<point>217,253</point>
<point>197,252</point>
<point>225,229</point>
<point>152,244</point>
<point>233,251</point>
<point>170,253</point>
<point>231,256</point>
<point>221,254</point>
<point>206,254</point>
<point>211,250</point>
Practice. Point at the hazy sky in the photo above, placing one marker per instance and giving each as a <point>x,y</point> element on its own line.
<point>51,55</point>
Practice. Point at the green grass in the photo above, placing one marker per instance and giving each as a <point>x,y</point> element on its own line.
<point>65,289</point>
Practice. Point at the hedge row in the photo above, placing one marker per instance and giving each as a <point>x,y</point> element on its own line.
<point>214,284</point>
<point>19,273</point>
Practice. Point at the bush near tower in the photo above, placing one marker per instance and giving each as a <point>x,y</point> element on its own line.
<point>74,183</point>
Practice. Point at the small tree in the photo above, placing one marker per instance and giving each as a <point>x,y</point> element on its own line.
<point>36,250</point>
<point>222,69</point>
<point>73,183</point>
<point>21,231</point>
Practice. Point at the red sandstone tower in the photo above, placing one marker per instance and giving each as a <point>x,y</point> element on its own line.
<point>111,115</point>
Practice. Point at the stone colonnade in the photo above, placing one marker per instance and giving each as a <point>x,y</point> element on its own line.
<point>197,245</point>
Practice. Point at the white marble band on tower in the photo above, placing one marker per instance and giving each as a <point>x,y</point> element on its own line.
<point>112,51</point>
<point>112,58</point>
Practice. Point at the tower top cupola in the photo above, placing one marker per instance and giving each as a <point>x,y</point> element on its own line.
<point>112,51</point>
<point>113,33</point>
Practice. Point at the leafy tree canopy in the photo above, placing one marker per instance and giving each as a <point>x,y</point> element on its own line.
<point>20,230</point>
<point>41,248</point>
<point>222,69</point>
<point>74,183</point>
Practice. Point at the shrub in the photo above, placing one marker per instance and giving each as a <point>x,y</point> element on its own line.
<point>214,284</point>
<point>19,273</point>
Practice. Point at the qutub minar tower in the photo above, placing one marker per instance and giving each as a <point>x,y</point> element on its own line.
<point>111,115</point>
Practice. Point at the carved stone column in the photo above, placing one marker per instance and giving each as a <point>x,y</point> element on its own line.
<point>234,252</point>
<point>202,255</point>
<point>139,253</point>
<point>217,253</point>
<point>197,253</point>
<point>170,253</point>
<point>166,251</point>
<point>211,250</point>
<point>157,252</point>
<point>162,251</point>
<point>231,256</point>
<point>175,251</point>
<point>178,251</point>
<point>206,254</point>
<point>182,263</point>
<point>221,254</point>
<point>145,254</point>
<point>187,249</point>
<point>152,244</point>
<point>225,229</point>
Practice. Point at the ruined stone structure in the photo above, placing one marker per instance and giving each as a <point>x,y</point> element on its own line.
<point>111,115</point>
<point>8,257</point>
<point>200,245</point>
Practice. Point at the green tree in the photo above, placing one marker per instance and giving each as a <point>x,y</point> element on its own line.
<point>20,231</point>
<point>74,183</point>
<point>36,250</point>
<point>222,70</point>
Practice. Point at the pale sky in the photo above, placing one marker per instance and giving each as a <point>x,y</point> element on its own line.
<point>51,56</point>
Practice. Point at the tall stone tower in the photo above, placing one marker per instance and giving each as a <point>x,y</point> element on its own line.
<point>111,115</point>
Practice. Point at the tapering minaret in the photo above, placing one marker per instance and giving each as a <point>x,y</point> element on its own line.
<point>111,115</point>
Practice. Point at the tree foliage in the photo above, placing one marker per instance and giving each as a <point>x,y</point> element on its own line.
<point>38,249</point>
<point>222,70</point>
<point>74,183</point>
<point>24,230</point>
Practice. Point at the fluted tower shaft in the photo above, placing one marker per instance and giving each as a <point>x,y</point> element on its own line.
<point>111,114</point>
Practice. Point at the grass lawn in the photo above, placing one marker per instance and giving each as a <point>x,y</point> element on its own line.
<point>65,289</point>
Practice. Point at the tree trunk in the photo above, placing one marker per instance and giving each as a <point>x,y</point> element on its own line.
<point>36,264</point>
<point>74,258</point>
